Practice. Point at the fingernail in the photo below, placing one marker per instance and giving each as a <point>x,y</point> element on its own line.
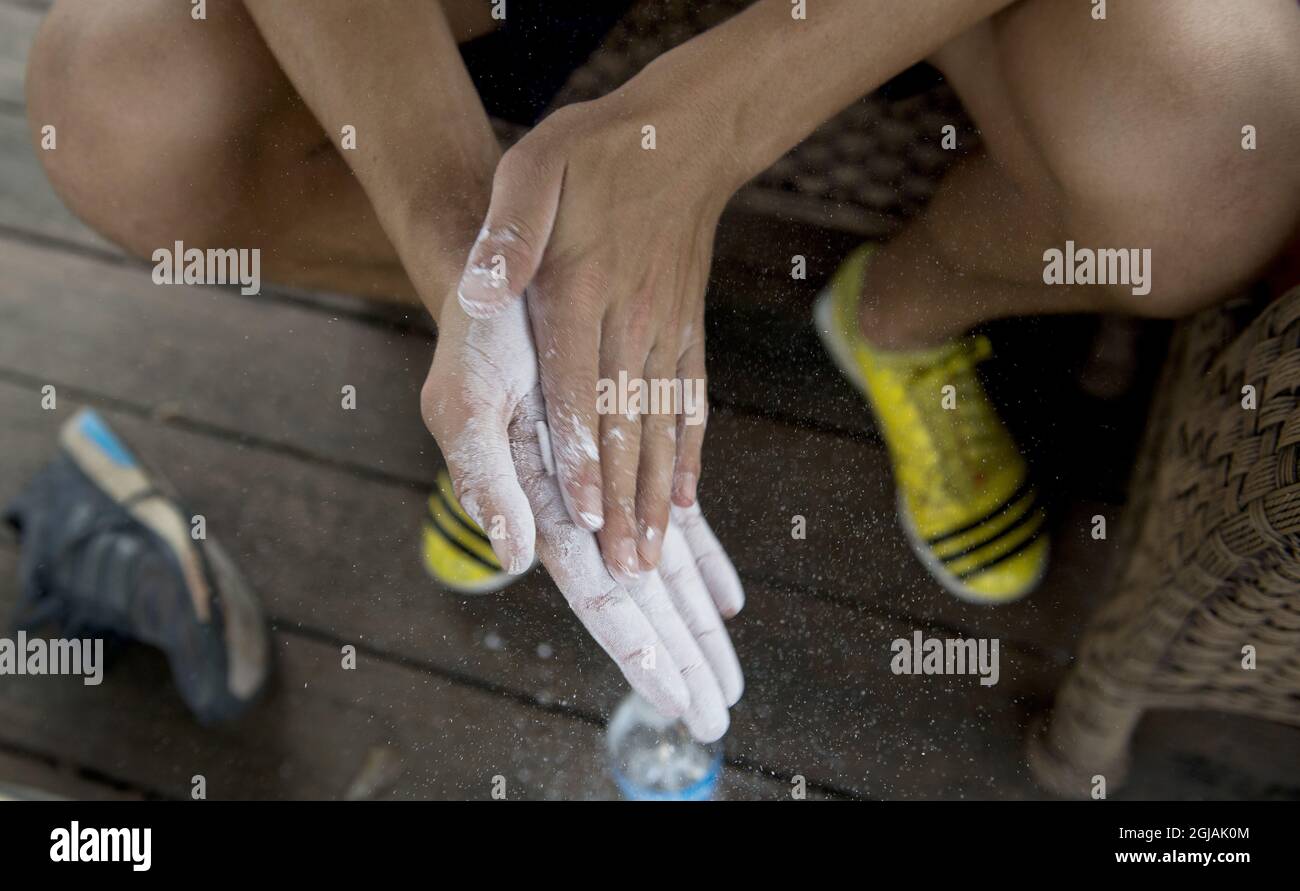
<point>590,512</point>
<point>625,562</point>
<point>684,488</point>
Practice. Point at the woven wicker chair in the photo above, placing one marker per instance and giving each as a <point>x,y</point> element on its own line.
<point>1214,519</point>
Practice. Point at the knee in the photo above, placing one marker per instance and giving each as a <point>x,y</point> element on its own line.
<point>1165,129</point>
<point>1205,230</point>
<point>1203,192</point>
<point>140,155</point>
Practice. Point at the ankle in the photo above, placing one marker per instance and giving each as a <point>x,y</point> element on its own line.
<point>906,302</point>
<point>895,325</point>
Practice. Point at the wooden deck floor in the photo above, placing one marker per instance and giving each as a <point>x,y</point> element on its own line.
<point>236,400</point>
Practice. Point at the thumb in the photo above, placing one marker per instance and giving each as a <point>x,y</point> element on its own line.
<point>483,475</point>
<point>509,248</point>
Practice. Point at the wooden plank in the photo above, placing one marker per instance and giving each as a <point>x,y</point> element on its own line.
<point>18,24</point>
<point>284,376</point>
<point>322,724</point>
<point>1212,756</point>
<point>29,777</point>
<point>135,729</point>
<point>314,736</point>
<point>272,373</point>
<point>335,556</point>
<point>27,203</point>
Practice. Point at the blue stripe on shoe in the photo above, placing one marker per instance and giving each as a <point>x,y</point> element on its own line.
<point>92,427</point>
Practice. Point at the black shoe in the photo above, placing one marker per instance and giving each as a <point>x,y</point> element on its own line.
<point>108,553</point>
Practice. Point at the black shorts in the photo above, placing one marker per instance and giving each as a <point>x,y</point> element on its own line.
<point>519,68</point>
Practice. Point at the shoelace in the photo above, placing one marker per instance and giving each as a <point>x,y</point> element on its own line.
<point>961,437</point>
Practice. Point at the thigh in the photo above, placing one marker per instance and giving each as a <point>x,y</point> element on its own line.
<point>1156,91</point>
<point>172,128</point>
<point>1134,125</point>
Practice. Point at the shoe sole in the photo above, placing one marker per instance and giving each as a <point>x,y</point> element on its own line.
<point>841,354</point>
<point>107,462</point>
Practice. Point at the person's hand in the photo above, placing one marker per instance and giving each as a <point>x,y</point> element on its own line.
<point>483,404</point>
<point>606,213</point>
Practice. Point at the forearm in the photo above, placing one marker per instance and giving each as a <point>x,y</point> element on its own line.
<point>425,151</point>
<point>763,80</point>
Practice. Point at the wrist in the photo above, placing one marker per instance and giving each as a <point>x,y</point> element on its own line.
<point>694,128</point>
<point>447,315</point>
<point>730,123</point>
<point>433,229</point>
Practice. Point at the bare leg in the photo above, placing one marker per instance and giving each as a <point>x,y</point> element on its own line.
<point>176,129</point>
<point>1122,133</point>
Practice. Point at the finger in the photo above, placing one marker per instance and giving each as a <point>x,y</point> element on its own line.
<point>658,450</point>
<point>569,343</point>
<point>620,448</point>
<point>615,620</point>
<point>691,597</point>
<point>706,716</point>
<point>692,420</point>
<point>525,197</point>
<point>483,476</point>
<point>606,609</point>
<point>478,458</point>
<point>623,352</point>
<point>711,560</point>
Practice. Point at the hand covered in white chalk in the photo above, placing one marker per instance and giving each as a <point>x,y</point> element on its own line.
<point>612,241</point>
<point>471,403</point>
<point>483,403</point>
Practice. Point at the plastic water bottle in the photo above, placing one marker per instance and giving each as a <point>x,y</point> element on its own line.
<point>656,759</point>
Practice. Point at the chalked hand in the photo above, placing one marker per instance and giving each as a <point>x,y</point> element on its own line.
<point>483,403</point>
<point>664,628</point>
<point>609,226</point>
